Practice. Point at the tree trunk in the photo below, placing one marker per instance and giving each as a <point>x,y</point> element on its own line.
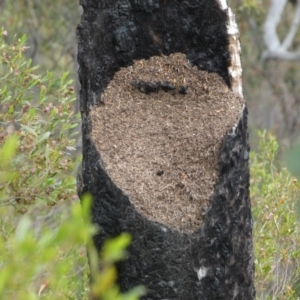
<point>165,144</point>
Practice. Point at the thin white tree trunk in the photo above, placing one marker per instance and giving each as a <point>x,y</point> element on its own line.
<point>275,48</point>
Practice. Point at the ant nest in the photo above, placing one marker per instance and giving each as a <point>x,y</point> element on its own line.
<point>159,130</point>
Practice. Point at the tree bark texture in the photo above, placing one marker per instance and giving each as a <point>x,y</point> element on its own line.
<point>216,260</point>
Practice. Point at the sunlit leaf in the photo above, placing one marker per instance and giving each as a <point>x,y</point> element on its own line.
<point>44,137</point>
<point>8,149</point>
<point>113,250</point>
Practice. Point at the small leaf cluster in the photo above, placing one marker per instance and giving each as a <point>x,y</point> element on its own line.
<point>274,194</point>
<point>37,113</point>
<point>103,285</point>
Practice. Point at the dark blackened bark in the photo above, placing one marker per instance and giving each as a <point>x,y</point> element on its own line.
<point>113,33</point>
<point>216,261</point>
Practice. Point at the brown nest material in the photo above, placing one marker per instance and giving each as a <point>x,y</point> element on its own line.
<point>162,145</point>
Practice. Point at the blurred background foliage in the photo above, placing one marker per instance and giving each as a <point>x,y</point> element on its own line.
<point>274,194</point>
<point>50,27</point>
<point>271,87</point>
<point>39,132</point>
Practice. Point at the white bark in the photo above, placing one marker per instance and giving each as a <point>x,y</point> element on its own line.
<point>235,67</point>
<point>287,43</point>
<point>275,48</point>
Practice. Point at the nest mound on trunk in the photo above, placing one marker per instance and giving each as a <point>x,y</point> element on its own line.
<point>159,131</point>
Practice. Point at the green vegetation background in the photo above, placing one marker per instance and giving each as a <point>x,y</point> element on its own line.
<point>43,231</point>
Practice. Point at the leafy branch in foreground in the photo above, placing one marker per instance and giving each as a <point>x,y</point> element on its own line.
<point>47,265</point>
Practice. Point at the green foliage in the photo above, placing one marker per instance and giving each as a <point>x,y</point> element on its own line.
<point>43,265</point>
<point>53,265</point>
<point>50,29</point>
<point>274,194</point>
<point>41,260</point>
<point>35,116</point>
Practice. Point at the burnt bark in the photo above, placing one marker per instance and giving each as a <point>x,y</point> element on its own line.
<point>216,261</point>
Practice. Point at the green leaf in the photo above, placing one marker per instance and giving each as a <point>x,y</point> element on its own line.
<point>11,109</point>
<point>113,249</point>
<point>23,39</point>
<point>29,62</point>
<point>44,137</point>
<point>135,293</point>
<point>29,129</point>
<point>63,78</point>
<point>8,150</point>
